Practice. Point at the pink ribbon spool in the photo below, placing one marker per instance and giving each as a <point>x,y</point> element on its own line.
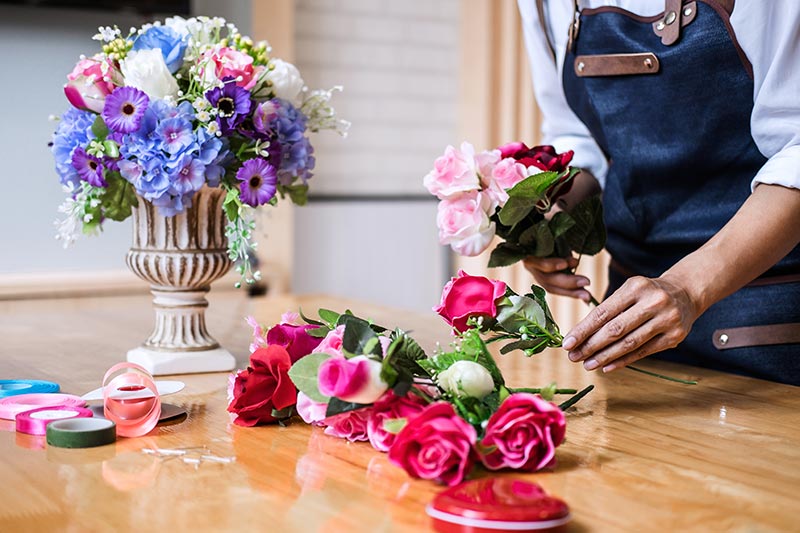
<point>35,422</point>
<point>134,417</point>
<point>11,406</point>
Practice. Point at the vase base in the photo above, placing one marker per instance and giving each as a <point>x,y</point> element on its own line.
<point>164,363</point>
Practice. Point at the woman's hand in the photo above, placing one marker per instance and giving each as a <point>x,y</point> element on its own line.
<point>551,273</point>
<point>642,317</point>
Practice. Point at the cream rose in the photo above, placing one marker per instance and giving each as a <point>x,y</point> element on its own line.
<point>147,71</point>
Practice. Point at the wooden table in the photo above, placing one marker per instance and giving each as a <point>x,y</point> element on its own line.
<point>641,454</point>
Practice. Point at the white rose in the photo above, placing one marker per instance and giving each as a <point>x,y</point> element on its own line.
<point>466,378</point>
<point>464,223</point>
<point>147,71</point>
<point>286,81</point>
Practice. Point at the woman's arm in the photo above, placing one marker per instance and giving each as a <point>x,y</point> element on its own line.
<point>649,315</point>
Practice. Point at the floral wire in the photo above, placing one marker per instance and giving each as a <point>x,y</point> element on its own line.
<point>575,399</point>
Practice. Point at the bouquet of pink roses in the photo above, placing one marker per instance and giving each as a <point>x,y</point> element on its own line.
<point>436,415</point>
<point>509,192</point>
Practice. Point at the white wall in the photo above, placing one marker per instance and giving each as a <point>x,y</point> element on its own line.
<point>397,61</point>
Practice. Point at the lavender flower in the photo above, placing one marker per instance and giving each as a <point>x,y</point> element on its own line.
<point>232,104</point>
<point>124,109</point>
<point>259,181</point>
<point>89,168</point>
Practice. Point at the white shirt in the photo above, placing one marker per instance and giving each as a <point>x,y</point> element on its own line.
<point>769,34</point>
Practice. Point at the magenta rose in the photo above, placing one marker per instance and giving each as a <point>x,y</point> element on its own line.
<point>356,380</point>
<point>391,407</point>
<point>542,157</point>
<point>467,296</point>
<point>437,444</point>
<point>90,82</point>
<point>332,343</point>
<point>263,387</point>
<point>295,339</point>
<point>351,425</point>
<point>523,434</point>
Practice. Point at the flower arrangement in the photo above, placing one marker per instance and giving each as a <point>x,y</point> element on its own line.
<point>172,107</point>
<point>436,415</point>
<point>509,192</point>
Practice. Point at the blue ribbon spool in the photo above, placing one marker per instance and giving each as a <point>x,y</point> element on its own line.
<point>12,387</point>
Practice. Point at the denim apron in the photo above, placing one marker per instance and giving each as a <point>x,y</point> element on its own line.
<point>676,129</point>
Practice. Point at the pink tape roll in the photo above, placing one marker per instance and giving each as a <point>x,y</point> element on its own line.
<point>35,422</point>
<point>11,406</point>
<point>133,417</point>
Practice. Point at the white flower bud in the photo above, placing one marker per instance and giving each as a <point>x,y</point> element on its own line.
<point>466,378</point>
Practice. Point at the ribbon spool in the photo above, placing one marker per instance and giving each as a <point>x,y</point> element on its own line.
<point>81,433</point>
<point>12,387</point>
<point>133,417</point>
<point>35,422</point>
<point>13,405</point>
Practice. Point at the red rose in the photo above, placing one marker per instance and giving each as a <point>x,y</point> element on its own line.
<point>295,339</point>
<point>391,407</point>
<point>544,158</point>
<point>510,149</point>
<point>466,296</point>
<point>262,387</point>
<point>523,434</point>
<point>437,444</point>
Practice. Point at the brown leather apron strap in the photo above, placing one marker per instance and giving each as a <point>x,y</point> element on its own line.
<point>543,24</point>
<point>725,339</point>
<point>758,282</point>
<point>616,64</point>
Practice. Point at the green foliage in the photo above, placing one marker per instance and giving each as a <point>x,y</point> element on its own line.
<point>523,197</point>
<point>359,337</point>
<point>99,129</point>
<point>522,312</point>
<point>119,198</point>
<point>506,254</point>
<point>588,234</point>
<point>401,362</point>
<point>337,407</point>
<point>394,425</point>
<point>304,375</point>
<point>297,193</point>
<point>231,204</point>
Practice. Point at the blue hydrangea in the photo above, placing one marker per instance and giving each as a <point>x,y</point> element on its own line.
<point>74,131</point>
<point>166,159</point>
<point>297,160</point>
<point>170,42</point>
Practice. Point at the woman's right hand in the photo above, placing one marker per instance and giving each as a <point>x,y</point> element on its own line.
<point>550,273</point>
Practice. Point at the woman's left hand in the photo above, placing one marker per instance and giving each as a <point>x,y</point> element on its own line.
<point>644,316</point>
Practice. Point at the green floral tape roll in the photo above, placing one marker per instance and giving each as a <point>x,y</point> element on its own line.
<point>81,433</point>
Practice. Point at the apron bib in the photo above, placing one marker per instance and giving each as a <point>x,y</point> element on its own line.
<point>668,99</point>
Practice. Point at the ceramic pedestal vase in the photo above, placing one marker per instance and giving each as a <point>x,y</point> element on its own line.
<point>180,256</point>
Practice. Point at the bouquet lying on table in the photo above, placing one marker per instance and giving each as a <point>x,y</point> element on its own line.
<point>166,109</point>
<point>437,415</point>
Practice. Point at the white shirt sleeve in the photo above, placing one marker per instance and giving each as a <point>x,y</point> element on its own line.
<point>560,126</point>
<point>769,34</point>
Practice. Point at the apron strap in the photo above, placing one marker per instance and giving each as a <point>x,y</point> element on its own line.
<point>543,24</point>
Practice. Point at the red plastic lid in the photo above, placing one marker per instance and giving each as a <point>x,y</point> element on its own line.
<point>498,504</point>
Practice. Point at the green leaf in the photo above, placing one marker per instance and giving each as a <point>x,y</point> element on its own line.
<point>549,391</point>
<point>318,332</point>
<point>232,204</point>
<point>561,223</point>
<point>304,375</point>
<point>358,335</point>
<point>394,425</point>
<point>539,294</point>
<point>400,364</point>
<point>99,129</point>
<point>588,235</point>
<point>523,197</point>
<point>282,414</point>
<point>523,312</point>
<point>337,406</point>
<point>329,317</point>
<point>536,344</point>
<point>506,254</point>
<point>111,149</point>
<point>309,320</point>
<point>298,194</point>
<point>539,238</point>
<point>119,198</point>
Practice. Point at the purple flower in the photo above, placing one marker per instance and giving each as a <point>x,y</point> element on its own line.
<point>74,130</point>
<point>89,168</point>
<point>124,109</point>
<point>176,135</point>
<point>232,104</point>
<point>259,181</point>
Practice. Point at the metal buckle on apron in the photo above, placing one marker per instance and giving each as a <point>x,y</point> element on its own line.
<point>675,17</point>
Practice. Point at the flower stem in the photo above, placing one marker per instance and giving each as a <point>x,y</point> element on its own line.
<point>575,399</point>
<point>537,390</point>
<point>662,376</point>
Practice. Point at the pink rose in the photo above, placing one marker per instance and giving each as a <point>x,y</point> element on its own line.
<point>295,339</point>
<point>351,425</point>
<point>523,434</point>
<point>332,343</point>
<point>391,407</point>
<point>464,223</point>
<point>467,296</point>
<point>485,162</point>
<point>310,411</point>
<point>453,173</point>
<point>259,338</point>
<point>291,317</point>
<point>356,380</point>
<point>508,150</point>
<point>86,87</point>
<point>437,444</point>
<point>506,174</point>
<point>227,62</point>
